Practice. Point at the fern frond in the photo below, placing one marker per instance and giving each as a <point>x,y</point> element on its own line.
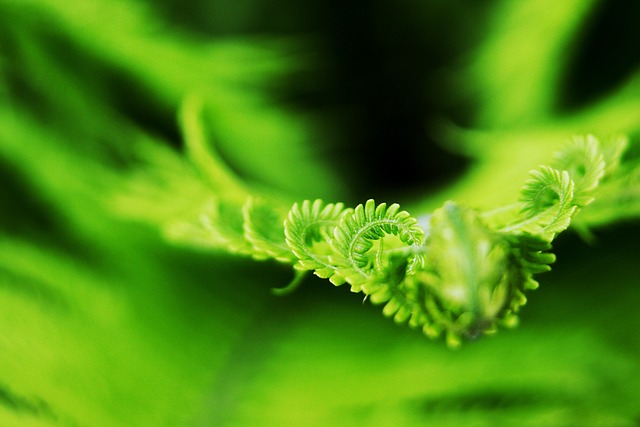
<point>532,254</point>
<point>473,279</point>
<point>547,199</point>
<point>357,231</point>
<point>464,280</point>
<point>585,163</point>
<point>308,232</point>
<point>458,272</point>
<point>394,288</point>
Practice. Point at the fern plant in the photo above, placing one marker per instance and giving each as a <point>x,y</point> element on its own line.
<point>457,271</point>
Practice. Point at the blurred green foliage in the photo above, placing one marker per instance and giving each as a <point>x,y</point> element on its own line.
<point>105,322</point>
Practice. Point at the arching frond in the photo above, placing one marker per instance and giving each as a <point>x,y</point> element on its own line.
<point>584,161</point>
<point>358,230</point>
<point>547,199</point>
<point>308,231</point>
<point>459,273</point>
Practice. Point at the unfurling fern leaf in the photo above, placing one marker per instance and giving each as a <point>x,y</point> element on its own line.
<point>339,243</point>
<point>455,274</point>
<point>308,231</point>
<point>584,162</point>
<point>359,229</point>
<point>547,199</point>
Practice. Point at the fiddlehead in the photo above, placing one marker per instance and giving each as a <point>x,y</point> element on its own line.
<point>360,247</point>
<point>584,161</point>
<point>547,202</point>
<point>338,243</point>
<point>308,231</point>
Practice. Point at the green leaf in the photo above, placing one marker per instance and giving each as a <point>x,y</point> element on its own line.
<point>547,199</point>
<point>264,230</point>
<point>585,163</point>
<point>308,230</point>
<point>359,228</point>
